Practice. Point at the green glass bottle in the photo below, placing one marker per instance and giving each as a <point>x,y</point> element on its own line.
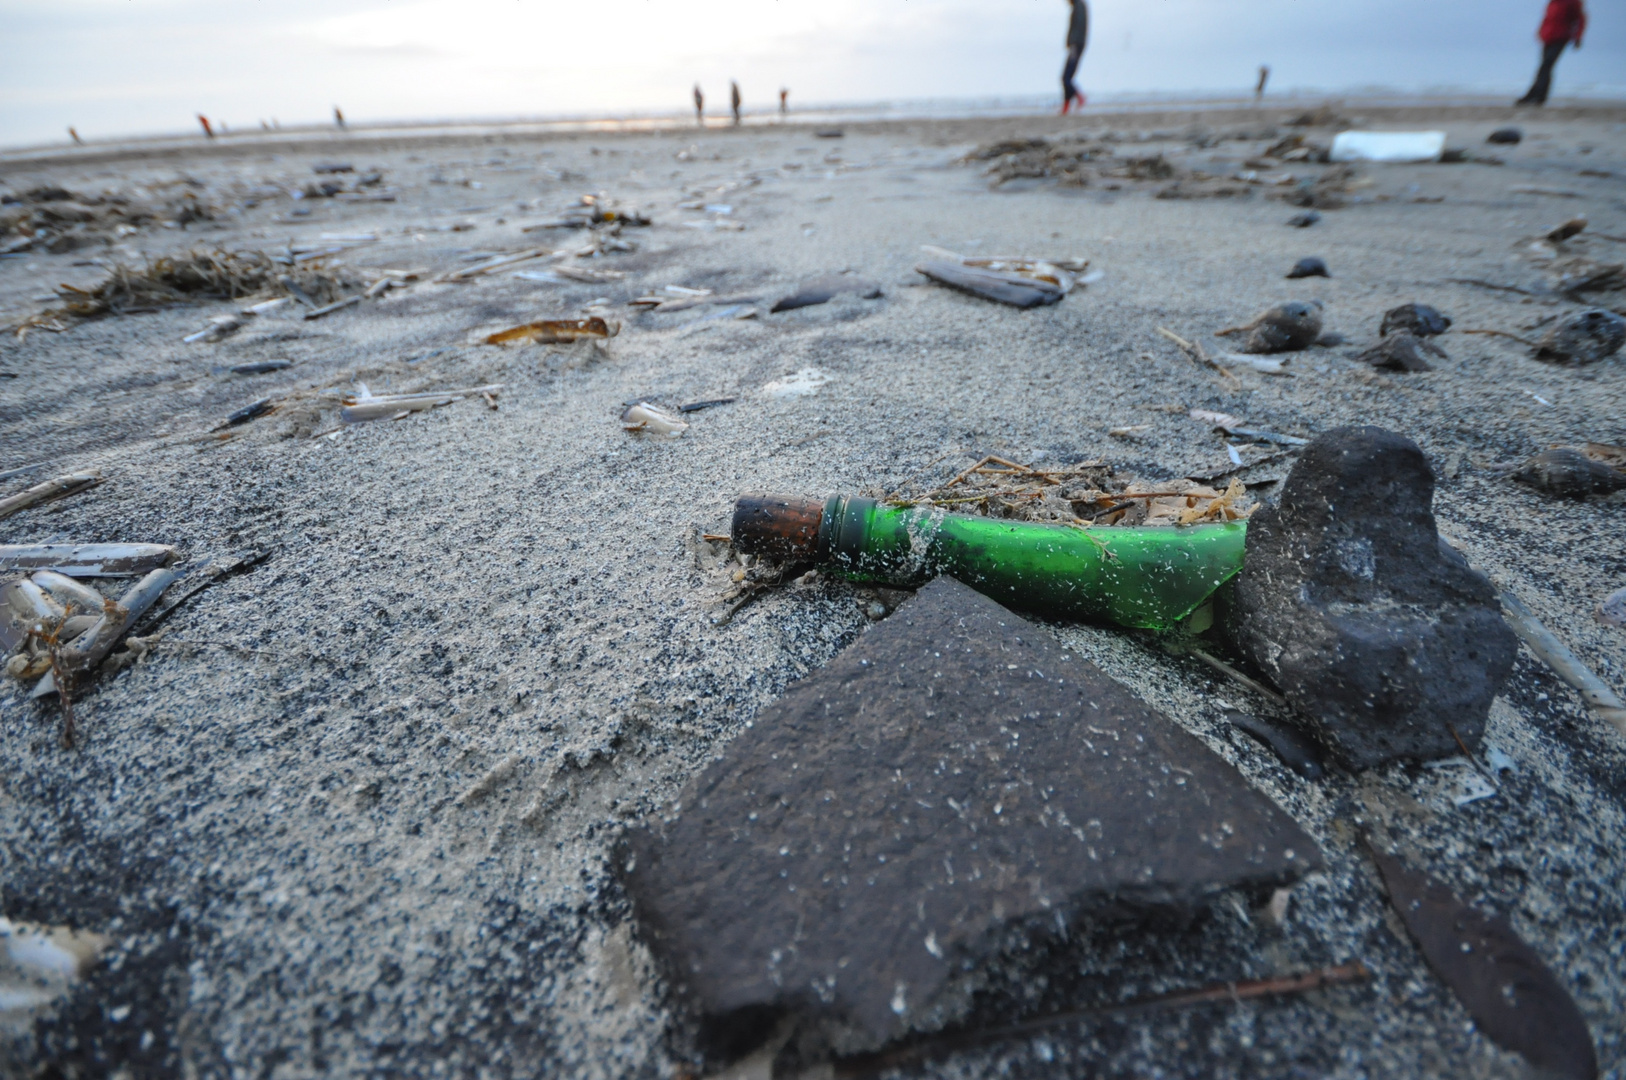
<point>1148,578</point>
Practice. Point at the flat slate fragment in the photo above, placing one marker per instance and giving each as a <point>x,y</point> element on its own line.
<point>953,772</point>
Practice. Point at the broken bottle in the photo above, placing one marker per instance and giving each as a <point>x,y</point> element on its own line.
<point>1147,578</point>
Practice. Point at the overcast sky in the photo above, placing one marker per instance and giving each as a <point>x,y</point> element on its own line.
<point>118,67</point>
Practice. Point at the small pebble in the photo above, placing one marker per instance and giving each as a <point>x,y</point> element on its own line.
<point>1612,612</point>
<point>1584,338</point>
<point>1570,473</point>
<point>1304,220</point>
<point>1509,136</point>
<point>1419,320</point>
<point>1309,267</point>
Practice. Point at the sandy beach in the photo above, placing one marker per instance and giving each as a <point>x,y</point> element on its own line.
<point>353,813</point>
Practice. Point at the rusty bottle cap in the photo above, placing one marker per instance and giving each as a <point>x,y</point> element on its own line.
<point>787,528</point>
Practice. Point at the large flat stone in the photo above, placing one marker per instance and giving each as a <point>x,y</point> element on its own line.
<point>953,772</point>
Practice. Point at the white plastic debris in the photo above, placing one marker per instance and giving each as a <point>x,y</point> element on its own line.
<point>1393,147</point>
<point>800,384</point>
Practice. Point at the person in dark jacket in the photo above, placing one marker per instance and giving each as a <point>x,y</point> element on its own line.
<point>1563,25</point>
<point>1078,35</point>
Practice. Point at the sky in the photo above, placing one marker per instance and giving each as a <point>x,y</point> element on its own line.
<point>131,67</point>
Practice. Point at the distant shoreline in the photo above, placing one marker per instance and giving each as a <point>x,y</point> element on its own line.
<point>385,133</point>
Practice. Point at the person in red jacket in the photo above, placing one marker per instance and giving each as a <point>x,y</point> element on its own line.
<point>1563,25</point>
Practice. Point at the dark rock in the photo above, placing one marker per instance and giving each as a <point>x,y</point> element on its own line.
<point>1309,267</point>
<point>1402,352</point>
<point>329,167</point>
<point>1294,749</point>
<point>1569,230</point>
<point>999,285</point>
<point>1304,220</point>
<point>1419,320</point>
<point>1570,473</point>
<point>954,774</point>
<point>1508,136</point>
<point>1514,998</point>
<point>1331,339</point>
<point>1373,628</point>
<point>1284,328</point>
<point>824,289</point>
<point>1583,338</point>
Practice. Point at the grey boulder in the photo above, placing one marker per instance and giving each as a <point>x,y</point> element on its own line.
<point>1373,628</point>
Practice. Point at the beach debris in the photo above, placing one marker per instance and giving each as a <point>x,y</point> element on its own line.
<point>328,168</point>
<point>337,305</point>
<point>643,416</point>
<point>1215,419</point>
<point>594,212</point>
<point>86,560</point>
<point>1198,355</point>
<point>1570,229</point>
<point>1143,578</point>
<point>1514,999</point>
<point>801,383</point>
<point>1284,328</point>
<point>1419,320</point>
<point>253,410</point>
<point>1376,631</point>
<point>261,367</point>
<point>696,406</point>
<point>1292,747</point>
<point>196,576</point>
<point>219,327</point>
<point>59,488</point>
<point>1570,473</point>
<point>556,332</point>
<point>1506,136</point>
<point>495,264</point>
<point>364,405</point>
<point>1612,609</point>
<point>821,290</point>
<point>58,644</point>
<point>940,1046</point>
<point>1583,338</point>
<point>1304,220</point>
<point>1402,351</point>
<point>1310,266</point>
<point>891,730</point>
<point>1004,286</point>
<point>195,276</point>
<point>1396,147</point>
<point>1603,702</point>
<point>1327,191</point>
<point>39,965</point>
<point>1261,435</point>
<point>1065,161</point>
<point>1578,274</point>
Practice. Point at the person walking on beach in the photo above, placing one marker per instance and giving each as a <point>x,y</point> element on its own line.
<point>1563,25</point>
<point>734,100</point>
<point>1078,35</point>
<point>699,106</point>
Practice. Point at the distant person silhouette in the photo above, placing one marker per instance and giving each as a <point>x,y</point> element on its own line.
<point>1264,77</point>
<point>338,117</point>
<point>784,102</point>
<point>699,106</point>
<point>1563,25</point>
<point>1078,35</point>
<point>734,100</point>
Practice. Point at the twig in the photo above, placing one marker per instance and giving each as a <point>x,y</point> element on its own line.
<point>905,481</point>
<point>1565,664</point>
<point>1483,284</point>
<point>1504,333</point>
<point>1198,355</point>
<point>942,1045</point>
<point>1236,676</point>
<point>336,306</point>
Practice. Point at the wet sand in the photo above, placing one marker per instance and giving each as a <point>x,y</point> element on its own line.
<point>268,814</point>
